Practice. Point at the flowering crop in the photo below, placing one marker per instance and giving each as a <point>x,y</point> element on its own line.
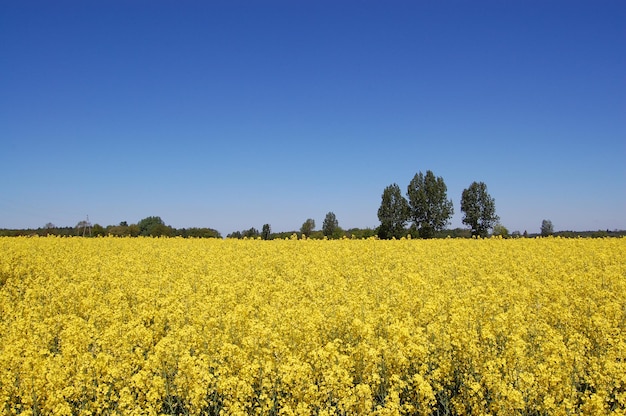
<point>306,327</point>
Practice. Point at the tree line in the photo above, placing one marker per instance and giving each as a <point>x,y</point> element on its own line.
<point>152,226</point>
<point>426,208</point>
<point>425,212</point>
<point>330,230</point>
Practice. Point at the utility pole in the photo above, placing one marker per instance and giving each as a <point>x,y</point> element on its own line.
<point>86,226</point>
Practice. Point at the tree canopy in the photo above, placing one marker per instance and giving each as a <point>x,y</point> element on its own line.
<point>430,209</point>
<point>330,227</point>
<point>266,232</point>
<point>479,209</point>
<point>393,213</point>
<point>546,228</point>
<point>154,227</point>
<point>308,227</point>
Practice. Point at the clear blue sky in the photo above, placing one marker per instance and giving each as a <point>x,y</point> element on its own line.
<point>232,114</point>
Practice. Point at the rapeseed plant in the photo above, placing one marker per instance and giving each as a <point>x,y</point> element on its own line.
<point>307,327</point>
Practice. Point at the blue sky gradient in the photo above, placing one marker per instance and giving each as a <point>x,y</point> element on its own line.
<point>232,114</point>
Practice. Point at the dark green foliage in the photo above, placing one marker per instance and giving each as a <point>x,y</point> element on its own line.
<point>455,233</point>
<point>251,233</point>
<point>430,209</point>
<point>98,231</point>
<point>124,230</point>
<point>479,209</point>
<point>266,232</point>
<point>308,227</point>
<point>500,230</point>
<point>360,233</point>
<point>197,233</point>
<point>154,227</point>
<point>546,228</point>
<point>393,213</point>
<point>330,225</point>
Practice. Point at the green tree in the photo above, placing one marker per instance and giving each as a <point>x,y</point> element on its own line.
<point>266,232</point>
<point>393,213</point>
<point>430,210</point>
<point>251,233</point>
<point>134,230</point>
<point>161,230</point>
<point>501,230</point>
<point>308,227</point>
<point>97,230</point>
<point>546,228</point>
<point>479,209</point>
<point>153,226</point>
<point>196,232</point>
<point>360,233</point>
<point>119,230</point>
<point>330,224</point>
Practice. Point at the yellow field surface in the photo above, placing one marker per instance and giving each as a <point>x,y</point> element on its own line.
<point>309,327</point>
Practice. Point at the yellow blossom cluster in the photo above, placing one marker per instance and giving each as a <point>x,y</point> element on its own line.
<point>151,326</point>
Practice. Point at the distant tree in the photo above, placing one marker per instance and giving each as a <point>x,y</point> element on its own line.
<point>479,209</point>
<point>266,232</point>
<point>359,233</point>
<point>330,224</point>
<point>198,233</point>
<point>154,226</point>
<point>49,226</point>
<point>430,209</point>
<point>525,235</point>
<point>119,230</point>
<point>457,233</point>
<point>148,224</point>
<point>500,230</point>
<point>393,213</point>
<point>162,230</point>
<point>134,230</point>
<point>251,233</point>
<point>308,227</point>
<point>123,224</point>
<point>546,228</point>
<point>318,235</point>
<point>235,234</point>
<point>97,230</point>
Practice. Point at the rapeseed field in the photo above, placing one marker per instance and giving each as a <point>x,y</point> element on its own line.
<point>150,326</point>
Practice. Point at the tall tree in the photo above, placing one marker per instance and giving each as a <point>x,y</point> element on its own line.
<point>330,224</point>
<point>429,207</point>
<point>546,228</point>
<point>479,209</point>
<point>393,213</point>
<point>308,227</point>
<point>266,231</point>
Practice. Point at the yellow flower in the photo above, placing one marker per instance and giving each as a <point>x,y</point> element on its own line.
<point>148,326</point>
